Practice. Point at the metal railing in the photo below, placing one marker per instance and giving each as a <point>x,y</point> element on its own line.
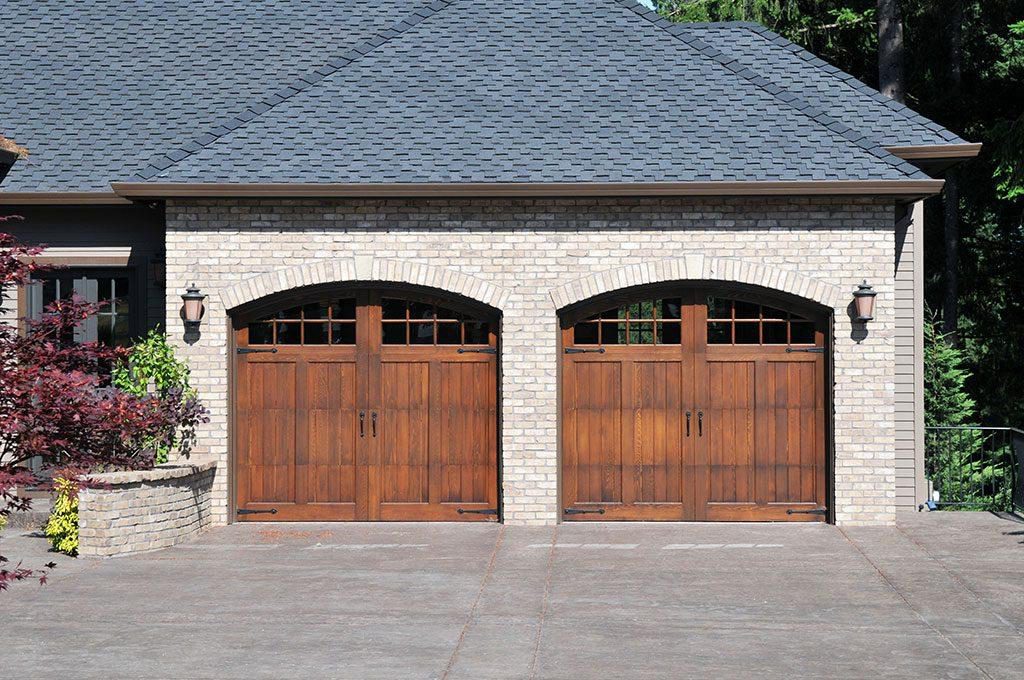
<point>975,468</point>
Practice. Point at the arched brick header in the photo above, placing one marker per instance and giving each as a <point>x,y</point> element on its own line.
<point>699,268</point>
<point>364,269</point>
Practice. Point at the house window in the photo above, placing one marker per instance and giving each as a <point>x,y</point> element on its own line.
<point>112,290</point>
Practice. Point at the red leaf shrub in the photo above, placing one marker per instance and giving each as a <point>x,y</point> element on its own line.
<point>57,402</point>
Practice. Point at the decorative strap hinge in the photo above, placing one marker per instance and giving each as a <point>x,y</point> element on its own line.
<point>246,511</point>
<point>810,350</point>
<point>487,511</point>
<point>255,350</point>
<point>482,350</point>
<point>580,511</point>
<point>580,350</point>
<point>815,511</point>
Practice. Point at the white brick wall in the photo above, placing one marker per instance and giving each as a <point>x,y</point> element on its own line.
<point>521,255</point>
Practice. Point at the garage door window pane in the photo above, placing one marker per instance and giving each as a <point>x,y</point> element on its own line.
<point>261,333</point>
<point>477,333</point>
<point>585,334</point>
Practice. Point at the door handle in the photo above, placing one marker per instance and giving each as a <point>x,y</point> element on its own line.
<point>362,419</point>
<point>373,423</point>
<point>700,423</point>
<point>688,414</point>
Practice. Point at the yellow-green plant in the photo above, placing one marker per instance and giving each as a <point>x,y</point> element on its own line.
<point>151,369</point>
<point>62,527</point>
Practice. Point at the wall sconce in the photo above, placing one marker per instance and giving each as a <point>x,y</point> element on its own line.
<point>192,312</point>
<point>864,302</point>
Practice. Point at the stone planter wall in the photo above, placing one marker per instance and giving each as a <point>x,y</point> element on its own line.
<point>145,509</point>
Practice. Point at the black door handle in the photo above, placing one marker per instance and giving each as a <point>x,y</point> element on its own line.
<point>688,423</point>
<point>362,419</point>
<point>373,423</point>
<point>700,423</point>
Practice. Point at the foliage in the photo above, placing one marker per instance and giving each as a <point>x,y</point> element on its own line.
<point>62,526</point>
<point>946,402</point>
<point>57,402</point>
<point>151,368</point>
<point>965,465</point>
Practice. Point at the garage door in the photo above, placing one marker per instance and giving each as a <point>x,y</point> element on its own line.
<point>693,405</point>
<point>369,405</point>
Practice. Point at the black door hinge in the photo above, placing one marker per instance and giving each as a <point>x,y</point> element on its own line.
<point>811,350</point>
<point>254,350</point>
<point>484,350</point>
<point>578,511</point>
<point>580,350</point>
<point>246,511</point>
<point>816,511</point>
<point>488,511</point>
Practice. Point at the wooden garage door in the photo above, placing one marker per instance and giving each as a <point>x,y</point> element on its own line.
<point>368,405</point>
<point>686,404</point>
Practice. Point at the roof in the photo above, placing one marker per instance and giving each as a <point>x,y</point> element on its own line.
<point>375,92</point>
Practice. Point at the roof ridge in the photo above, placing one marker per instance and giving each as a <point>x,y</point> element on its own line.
<point>161,162</point>
<point>677,30</point>
<point>852,81</point>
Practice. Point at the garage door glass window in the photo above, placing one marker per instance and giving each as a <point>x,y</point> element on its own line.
<point>410,322</point>
<point>316,323</point>
<point>648,322</point>
<point>738,322</point>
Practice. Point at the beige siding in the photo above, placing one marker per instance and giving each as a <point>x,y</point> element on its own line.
<point>909,313</point>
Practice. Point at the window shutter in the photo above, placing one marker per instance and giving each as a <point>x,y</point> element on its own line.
<point>34,299</point>
<point>88,290</point>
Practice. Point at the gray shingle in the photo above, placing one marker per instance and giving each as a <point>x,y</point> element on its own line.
<point>389,91</point>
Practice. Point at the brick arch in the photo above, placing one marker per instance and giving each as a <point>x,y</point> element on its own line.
<point>366,268</point>
<point>699,268</point>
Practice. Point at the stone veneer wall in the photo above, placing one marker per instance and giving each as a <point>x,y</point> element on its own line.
<point>531,256</point>
<point>144,509</point>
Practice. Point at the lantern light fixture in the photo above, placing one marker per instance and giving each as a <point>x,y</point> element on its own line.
<point>864,302</point>
<point>192,312</point>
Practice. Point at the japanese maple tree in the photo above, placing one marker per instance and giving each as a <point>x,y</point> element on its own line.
<point>57,403</point>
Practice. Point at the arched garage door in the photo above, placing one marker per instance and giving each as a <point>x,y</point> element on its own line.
<point>686,404</point>
<point>366,405</point>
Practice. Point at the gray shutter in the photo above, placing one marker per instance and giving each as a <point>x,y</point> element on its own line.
<point>88,290</point>
<point>34,300</point>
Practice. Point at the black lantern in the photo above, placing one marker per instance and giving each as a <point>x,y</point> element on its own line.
<point>192,312</point>
<point>864,302</point>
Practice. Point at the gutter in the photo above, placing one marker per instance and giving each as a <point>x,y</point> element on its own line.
<point>908,189</point>
<point>938,152</point>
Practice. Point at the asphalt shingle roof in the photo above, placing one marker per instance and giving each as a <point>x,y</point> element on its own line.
<point>340,91</point>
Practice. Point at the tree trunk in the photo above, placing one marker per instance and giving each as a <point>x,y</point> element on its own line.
<point>951,239</point>
<point>890,50</point>
<point>951,195</point>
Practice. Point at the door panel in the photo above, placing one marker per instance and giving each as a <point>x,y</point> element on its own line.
<point>729,431</point>
<point>657,433</point>
<point>346,410</point>
<point>403,431</point>
<point>329,472</point>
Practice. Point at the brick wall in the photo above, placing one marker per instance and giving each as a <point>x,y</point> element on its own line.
<point>145,509</point>
<point>522,255</point>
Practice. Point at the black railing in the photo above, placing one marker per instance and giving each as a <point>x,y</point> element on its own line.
<point>975,468</point>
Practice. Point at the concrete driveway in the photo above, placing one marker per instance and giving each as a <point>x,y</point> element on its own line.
<point>940,596</point>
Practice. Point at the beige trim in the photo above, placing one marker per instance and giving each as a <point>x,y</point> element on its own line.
<point>61,198</point>
<point>935,152</point>
<point>903,188</point>
<point>85,256</point>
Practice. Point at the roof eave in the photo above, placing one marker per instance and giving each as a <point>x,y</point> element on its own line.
<point>905,189</point>
<point>935,152</point>
<point>61,198</point>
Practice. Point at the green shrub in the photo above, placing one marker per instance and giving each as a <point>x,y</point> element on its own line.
<point>62,527</point>
<point>152,369</point>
